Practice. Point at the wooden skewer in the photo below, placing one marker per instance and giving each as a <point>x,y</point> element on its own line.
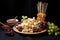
<point>5,27</point>
<point>45,6</point>
<point>40,6</point>
<point>15,17</point>
<point>2,23</point>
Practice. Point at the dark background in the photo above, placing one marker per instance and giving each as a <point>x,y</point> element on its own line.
<point>11,8</point>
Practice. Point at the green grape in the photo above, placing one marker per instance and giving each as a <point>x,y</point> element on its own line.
<point>26,17</point>
<point>48,22</point>
<point>49,27</point>
<point>56,33</point>
<point>52,24</point>
<point>51,30</point>
<point>21,19</point>
<point>56,27</point>
<point>22,16</point>
<point>59,32</point>
<point>49,33</point>
<point>52,27</point>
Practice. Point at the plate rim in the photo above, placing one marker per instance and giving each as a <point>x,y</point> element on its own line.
<point>14,28</point>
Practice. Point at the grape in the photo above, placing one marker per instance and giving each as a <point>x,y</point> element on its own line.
<point>9,32</point>
<point>18,23</point>
<point>22,19</point>
<point>49,33</point>
<point>22,16</point>
<point>26,17</point>
<point>56,27</point>
<point>56,33</point>
<point>50,27</point>
<point>52,24</point>
<point>51,30</point>
<point>40,29</point>
<point>43,25</point>
<point>35,29</point>
<point>20,28</point>
<point>48,23</point>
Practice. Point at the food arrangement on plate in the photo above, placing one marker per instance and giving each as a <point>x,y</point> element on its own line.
<point>31,25</point>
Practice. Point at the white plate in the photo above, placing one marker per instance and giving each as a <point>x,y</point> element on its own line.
<point>28,32</point>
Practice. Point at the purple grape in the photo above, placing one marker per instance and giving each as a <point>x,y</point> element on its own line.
<point>18,23</point>
<point>10,33</point>
<point>20,28</point>
<point>35,29</point>
<point>43,25</point>
<point>40,29</point>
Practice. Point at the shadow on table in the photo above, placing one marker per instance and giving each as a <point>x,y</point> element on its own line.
<point>34,35</point>
<point>42,36</point>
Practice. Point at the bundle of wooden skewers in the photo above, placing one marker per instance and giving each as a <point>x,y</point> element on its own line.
<point>41,7</point>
